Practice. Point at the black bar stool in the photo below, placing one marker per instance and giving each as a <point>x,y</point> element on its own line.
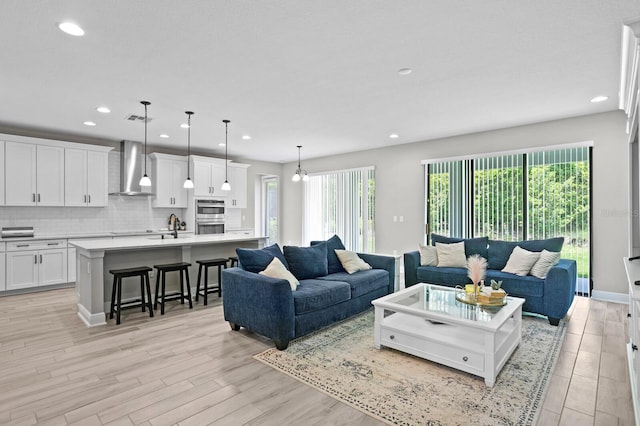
<point>233,260</point>
<point>220,263</point>
<point>181,267</point>
<point>118,275</point>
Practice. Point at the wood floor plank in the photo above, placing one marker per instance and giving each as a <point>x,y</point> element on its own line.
<point>188,367</point>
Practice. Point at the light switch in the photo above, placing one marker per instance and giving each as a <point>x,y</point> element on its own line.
<point>401,218</point>
<point>395,218</point>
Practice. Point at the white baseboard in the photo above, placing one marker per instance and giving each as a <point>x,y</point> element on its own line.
<point>91,320</point>
<point>607,296</point>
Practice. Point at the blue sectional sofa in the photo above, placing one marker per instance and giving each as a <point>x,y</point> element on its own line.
<point>326,292</point>
<point>551,296</point>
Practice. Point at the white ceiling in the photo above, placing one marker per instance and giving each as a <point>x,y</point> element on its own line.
<point>322,74</point>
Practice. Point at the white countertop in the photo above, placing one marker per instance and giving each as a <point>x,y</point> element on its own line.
<point>154,241</point>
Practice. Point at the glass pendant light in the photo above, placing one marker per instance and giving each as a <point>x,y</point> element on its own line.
<point>145,181</point>
<point>225,186</point>
<point>188,184</point>
<point>300,174</point>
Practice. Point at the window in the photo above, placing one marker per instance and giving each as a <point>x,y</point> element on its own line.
<point>514,197</point>
<point>341,203</point>
<point>269,208</point>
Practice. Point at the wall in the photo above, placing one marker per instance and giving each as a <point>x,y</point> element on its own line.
<point>400,185</point>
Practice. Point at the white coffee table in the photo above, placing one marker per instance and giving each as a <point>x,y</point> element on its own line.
<point>426,320</point>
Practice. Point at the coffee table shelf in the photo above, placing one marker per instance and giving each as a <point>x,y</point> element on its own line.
<point>425,320</point>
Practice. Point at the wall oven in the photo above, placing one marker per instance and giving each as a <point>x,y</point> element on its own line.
<point>210,217</point>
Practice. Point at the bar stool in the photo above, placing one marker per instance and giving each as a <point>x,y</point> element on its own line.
<point>118,275</point>
<point>233,260</point>
<point>220,263</point>
<point>180,267</point>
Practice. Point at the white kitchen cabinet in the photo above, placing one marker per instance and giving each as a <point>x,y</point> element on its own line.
<point>71,264</point>
<point>208,176</point>
<point>34,174</point>
<point>3,285</point>
<point>38,263</point>
<point>86,178</point>
<point>169,174</point>
<point>237,197</point>
<point>1,175</point>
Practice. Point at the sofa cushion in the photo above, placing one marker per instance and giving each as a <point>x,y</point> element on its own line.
<point>516,285</point>
<point>333,263</point>
<point>277,270</point>
<point>471,245</point>
<point>351,262</point>
<point>442,275</point>
<point>499,251</point>
<point>362,282</point>
<point>314,294</point>
<point>428,255</point>
<point>547,260</point>
<point>451,255</point>
<point>257,260</point>
<point>521,261</point>
<point>307,262</point>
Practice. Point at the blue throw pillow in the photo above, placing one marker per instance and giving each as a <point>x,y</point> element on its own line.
<point>333,263</point>
<point>471,245</point>
<point>307,262</point>
<point>257,260</point>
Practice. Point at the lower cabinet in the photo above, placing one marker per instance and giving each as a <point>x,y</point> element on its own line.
<point>33,264</point>
<point>71,264</point>
<point>3,284</point>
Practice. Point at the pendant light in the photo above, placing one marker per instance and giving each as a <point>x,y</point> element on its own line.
<point>188,184</point>
<point>299,172</point>
<point>145,181</point>
<point>225,186</point>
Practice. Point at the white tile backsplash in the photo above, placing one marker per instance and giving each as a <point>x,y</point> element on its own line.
<point>122,213</point>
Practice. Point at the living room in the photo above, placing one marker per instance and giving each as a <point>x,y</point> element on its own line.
<point>474,129</point>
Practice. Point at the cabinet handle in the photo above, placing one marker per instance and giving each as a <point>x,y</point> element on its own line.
<point>85,198</point>
<point>89,198</point>
<point>628,314</point>
<point>22,245</point>
<point>634,347</point>
<point>33,197</point>
<point>35,259</point>
<point>465,358</point>
<point>392,337</point>
<point>52,244</point>
<point>40,258</point>
<point>38,197</point>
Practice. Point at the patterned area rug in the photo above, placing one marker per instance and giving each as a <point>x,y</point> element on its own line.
<point>401,389</point>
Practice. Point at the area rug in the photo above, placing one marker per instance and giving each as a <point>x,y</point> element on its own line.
<point>401,389</point>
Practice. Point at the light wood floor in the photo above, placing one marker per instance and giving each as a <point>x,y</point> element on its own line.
<point>189,368</point>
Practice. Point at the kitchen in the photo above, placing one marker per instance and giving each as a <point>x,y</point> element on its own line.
<point>57,222</point>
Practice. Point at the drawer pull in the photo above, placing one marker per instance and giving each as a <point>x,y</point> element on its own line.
<point>22,245</point>
<point>392,337</point>
<point>52,244</point>
<point>634,347</point>
<point>465,358</point>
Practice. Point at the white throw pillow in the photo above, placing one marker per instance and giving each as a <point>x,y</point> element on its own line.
<point>451,255</point>
<point>545,262</point>
<point>428,255</point>
<point>276,269</point>
<point>351,262</point>
<point>521,261</point>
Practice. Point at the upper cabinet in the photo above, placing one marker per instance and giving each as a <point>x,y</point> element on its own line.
<point>169,174</point>
<point>34,175</point>
<point>208,176</point>
<point>43,172</point>
<point>86,178</point>
<point>237,197</point>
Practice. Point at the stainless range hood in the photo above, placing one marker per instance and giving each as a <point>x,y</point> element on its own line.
<point>131,169</point>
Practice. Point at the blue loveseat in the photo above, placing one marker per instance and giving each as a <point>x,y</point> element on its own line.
<point>326,293</point>
<point>551,296</point>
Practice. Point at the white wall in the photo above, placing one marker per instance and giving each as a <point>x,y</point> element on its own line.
<point>400,185</point>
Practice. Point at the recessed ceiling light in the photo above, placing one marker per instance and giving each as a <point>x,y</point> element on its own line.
<point>103,109</point>
<point>89,123</point>
<point>71,29</point>
<point>394,136</point>
<point>164,136</point>
<point>221,144</point>
<point>405,71</point>
<point>246,137</point>
<point>599,99</point>
<point>184,125</point>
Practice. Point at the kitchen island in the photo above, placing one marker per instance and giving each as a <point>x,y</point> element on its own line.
<point>95,257</point>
